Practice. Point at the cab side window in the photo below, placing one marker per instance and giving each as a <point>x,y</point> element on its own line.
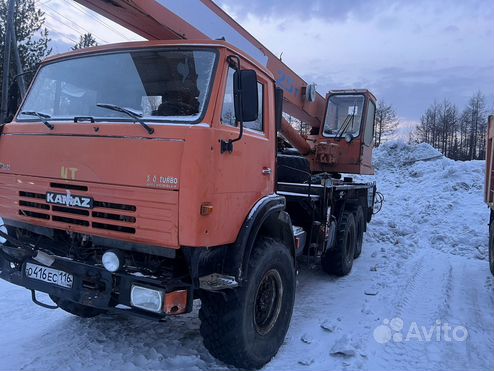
<point>369,124</point>
<point>228,111</point>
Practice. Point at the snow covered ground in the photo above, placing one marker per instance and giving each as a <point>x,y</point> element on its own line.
<point>419,298</point>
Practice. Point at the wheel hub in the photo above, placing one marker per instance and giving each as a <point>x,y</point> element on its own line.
<point>268,302</point>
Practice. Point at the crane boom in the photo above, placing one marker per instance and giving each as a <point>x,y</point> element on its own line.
<point>171,19</point>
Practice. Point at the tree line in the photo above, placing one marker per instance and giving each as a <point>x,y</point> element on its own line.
<point>458,134</point>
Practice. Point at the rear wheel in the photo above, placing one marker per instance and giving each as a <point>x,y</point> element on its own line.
<point>76,309</point>
<point>491,246</point>
<point>339,259</point>
<point>359,230</point>
<point>246,326</point>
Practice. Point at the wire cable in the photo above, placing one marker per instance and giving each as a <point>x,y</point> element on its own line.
<point>96,18</point>
<point>71,22</point>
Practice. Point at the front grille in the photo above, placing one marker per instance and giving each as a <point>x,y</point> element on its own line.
<point>111,227</point>
<point>104,215</point>
<point>64,219</point>
<point>111,216</point>
<point>109,205</point>
<point>33,214</point>
<point>34,205</point>
<point>69,210</point>
<point>74,187</point>
<point>32,195</point>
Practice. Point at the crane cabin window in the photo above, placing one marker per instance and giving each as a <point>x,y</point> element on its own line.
<point>158,84</point>
<point>228,110</point>
<point>344,115</point>
<point>369,124</point>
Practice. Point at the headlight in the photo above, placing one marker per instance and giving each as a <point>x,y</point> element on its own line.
<point>111,261</point>
<point>146,298</point>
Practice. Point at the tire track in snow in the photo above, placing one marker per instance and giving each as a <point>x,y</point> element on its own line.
<point>471,306</point>
<point>422,300</point>
<point>437,292</point>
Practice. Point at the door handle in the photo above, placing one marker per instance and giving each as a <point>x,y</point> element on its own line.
<point>266,171</point>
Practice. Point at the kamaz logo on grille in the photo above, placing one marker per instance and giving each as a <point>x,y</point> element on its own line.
<point>69,200</point>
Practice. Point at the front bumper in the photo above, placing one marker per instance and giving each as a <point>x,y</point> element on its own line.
<point>92,286</point>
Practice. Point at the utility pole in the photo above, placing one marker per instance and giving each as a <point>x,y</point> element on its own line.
<point>20,71</point>
<point>6,61</point>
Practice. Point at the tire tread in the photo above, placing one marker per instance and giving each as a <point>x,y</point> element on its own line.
<point>220,327</point>
<point>333,261</point>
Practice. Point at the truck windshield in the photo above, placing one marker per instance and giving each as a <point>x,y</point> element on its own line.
<point>344,115</point>
<point>161,85</point>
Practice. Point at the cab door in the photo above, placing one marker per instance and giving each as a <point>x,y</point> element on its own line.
<point>246,174</point>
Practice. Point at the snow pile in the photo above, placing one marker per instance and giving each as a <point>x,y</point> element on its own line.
<point>430,201</point>
<point>399,154</point>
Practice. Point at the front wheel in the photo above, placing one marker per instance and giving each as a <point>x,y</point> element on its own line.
<point>246,326</point>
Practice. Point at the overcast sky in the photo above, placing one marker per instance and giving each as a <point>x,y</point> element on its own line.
<point>409,53</point>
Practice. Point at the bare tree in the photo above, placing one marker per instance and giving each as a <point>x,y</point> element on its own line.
<point>427,130</point>
<point>458,136</point>
<point>386,123</point>
<point>475,117</point>
<point>448,124</point>
<point>85,41</point>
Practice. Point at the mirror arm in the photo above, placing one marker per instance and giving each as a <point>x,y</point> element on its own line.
<point>227,146</point>
<point>240,134</point>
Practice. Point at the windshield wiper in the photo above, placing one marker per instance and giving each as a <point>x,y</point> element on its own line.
<point>136,116</point>
<point>41,116</point>
<point>348,120</point>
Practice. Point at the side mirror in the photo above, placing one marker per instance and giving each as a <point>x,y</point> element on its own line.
<point>246,99</point>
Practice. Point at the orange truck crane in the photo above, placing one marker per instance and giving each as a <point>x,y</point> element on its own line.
<point>137,177</point>
<point>489,187</point>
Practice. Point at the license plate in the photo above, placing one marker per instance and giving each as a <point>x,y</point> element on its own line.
<point>49,275</point>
